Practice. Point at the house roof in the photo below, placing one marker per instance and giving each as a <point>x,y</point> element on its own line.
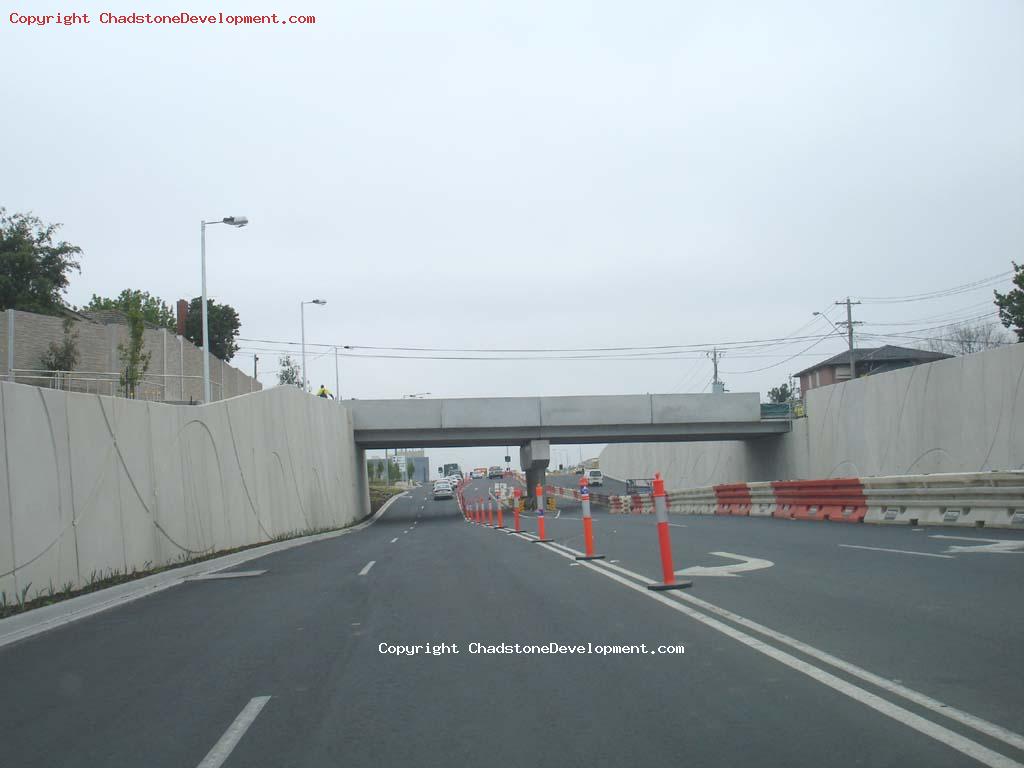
<point>887,354</point>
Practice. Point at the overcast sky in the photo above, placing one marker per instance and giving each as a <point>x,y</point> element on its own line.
<point>532,175</point>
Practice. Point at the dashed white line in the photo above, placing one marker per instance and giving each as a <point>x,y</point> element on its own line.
<point>898,551</point>
<point>224,746</point>
<point>394,540</point>
<point>367,567</point>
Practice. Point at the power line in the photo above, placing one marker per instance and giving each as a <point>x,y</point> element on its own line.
<point>665,349</point>
<point>954,290</point>
<point>782,362</point>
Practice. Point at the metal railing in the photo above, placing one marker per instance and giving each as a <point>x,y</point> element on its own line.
<point>151,386</point>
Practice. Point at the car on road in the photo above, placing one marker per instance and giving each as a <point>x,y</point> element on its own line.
<point>594,477</point>
<point>443,490</point>
<point>454,480</point>
<point>493,472</point>
<point>478,473</point>
<point>579,470</point>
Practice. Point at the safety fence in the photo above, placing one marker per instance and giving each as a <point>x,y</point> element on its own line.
<point>972,499</point>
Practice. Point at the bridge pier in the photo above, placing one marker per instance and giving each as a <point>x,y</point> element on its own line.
<point>534,458</point>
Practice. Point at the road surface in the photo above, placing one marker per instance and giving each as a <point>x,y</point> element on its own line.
<point>854,646</point>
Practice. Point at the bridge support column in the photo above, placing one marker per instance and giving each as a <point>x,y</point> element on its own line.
<point>534,458</point>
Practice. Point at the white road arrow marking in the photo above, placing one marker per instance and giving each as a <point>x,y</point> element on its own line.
<point>745,564</point>
<point>992,546</point>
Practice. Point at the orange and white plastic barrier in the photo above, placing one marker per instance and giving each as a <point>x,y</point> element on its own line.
<point>517,499</point>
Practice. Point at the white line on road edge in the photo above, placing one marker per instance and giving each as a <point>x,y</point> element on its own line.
<point>897,551</point>
<point>24,625</point>
<point>367,567</point>
<point>223,748</point>
<point>936,706</point>
<point>227,575</point>
<point>903,716</point>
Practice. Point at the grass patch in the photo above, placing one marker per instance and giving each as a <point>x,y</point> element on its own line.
<point>379,494</point>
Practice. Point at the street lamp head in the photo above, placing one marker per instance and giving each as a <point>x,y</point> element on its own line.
<point>318,302</point>
<point>816,313</point>
<point>236,221</point>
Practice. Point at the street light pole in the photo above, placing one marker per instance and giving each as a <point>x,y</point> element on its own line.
<point>234,221</point>
<point>302,313</point>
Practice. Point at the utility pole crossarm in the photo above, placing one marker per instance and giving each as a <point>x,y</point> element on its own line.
<point>849,334</point>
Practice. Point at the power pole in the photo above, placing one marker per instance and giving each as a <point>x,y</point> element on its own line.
<point>337,381</point>
<point>849,333</point>
<point>716,385</point>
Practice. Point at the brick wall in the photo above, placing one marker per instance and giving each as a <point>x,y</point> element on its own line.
<point>175,366</point>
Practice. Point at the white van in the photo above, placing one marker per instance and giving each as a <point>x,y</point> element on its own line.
<point>594,477</point>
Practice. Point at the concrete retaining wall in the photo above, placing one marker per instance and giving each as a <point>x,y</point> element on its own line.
<point>91,483</point>
<point>965,414</point>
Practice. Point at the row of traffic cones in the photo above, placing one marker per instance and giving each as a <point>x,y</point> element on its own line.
<point>480,514</point>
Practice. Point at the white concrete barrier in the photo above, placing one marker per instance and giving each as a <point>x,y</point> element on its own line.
<point>97,484</point>
<point>964,499</point>
<point>762,499</point>
<point>692,501</point>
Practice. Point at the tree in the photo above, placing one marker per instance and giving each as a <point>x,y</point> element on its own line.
<point>781,394</point>
<point>33,269</point>
<point>154,310</point>
<point>967,338</point>
<point>62,355</point>
<point>410,469</point>
<point>288,374</point>
<point>224,325</point>
<point>134,358</point>
<point>1011,303</point>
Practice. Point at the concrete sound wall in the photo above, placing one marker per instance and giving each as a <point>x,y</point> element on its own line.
<point>965,414</point>
<point>91,483</point>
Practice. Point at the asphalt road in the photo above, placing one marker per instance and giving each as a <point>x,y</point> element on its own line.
<point>832,655</point>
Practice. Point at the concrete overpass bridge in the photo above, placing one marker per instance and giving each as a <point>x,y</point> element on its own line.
<point>534,423</point>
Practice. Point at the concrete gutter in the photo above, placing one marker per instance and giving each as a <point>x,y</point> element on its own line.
<point>38,620</point>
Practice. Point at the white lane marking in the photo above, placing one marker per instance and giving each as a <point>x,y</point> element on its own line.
<point>227,575</point>
<point>898,551</point>
<point>677,525</point>
<point>965,718</point>
<point>223,748</point>
<point>367,567</point>
<point>733,570</point>
<point>25,625</point>
<point>394,540</point>
<point>903,716</point>
<point>993,546</point>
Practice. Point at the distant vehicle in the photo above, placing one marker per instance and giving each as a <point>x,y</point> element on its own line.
<point>454,480</point>
<point>640,485</point>
<point>579,470</point>
<point>594,477</point>
<point>479,472</point>
<point>443,490</point>
<point>451,469</point>
<point>495,472</point>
